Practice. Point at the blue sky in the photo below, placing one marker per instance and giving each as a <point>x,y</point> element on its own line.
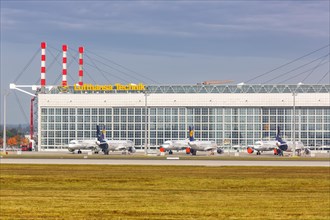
<point>171,42</point>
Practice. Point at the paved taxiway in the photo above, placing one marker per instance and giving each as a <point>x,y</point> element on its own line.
<point>175,162</point>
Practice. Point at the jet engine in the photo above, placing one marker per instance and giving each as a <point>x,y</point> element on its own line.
<point>278,151</point>
<point>71,150</point>
<point>283,147</point>
<point>307,151</point>
<point>250,150</point>
<point>131,149</point>
<point>220,151</point>
<point>193,152</point>
<point>105,148</point>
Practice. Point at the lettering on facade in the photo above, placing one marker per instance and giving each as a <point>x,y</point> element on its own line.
<point>117,86</point>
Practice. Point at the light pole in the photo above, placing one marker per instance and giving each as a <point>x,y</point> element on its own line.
<point>6,93</point>
<point>145,122</point>
<point>294,123</point>
<point>294,94</point>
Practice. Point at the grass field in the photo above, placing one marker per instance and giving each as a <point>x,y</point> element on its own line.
<point>163,192</point>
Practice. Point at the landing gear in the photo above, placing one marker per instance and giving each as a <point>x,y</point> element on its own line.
<point>258,153</point>
<point>170,152</point>
<point>193,152</point>
<point>79,151</point>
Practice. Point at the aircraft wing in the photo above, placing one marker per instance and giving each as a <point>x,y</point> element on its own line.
<point>120,148</point>
<point>193,144</point>
<point>209,148</point>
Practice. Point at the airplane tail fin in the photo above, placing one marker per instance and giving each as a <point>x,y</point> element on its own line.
<point>282,145</point>
<point>278,135</point>
<point>103,133</point>
<point>101,142</point>
<point>191,133</point>
<point>99,134</point>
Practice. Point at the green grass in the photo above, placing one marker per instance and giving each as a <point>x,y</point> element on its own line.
<point>163,192</point>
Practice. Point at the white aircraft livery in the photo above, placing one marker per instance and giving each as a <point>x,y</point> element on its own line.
<point>83,145</point>
<point>113,145</point>
<point>278,146</point>
<point>177,145</point>
<point>196,145</point>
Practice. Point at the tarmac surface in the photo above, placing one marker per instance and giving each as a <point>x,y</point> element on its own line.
<point>169,162</point>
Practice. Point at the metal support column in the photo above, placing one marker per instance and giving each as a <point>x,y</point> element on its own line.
<point>145,122</point>
<point>294,124</point>
<point>6,93</point>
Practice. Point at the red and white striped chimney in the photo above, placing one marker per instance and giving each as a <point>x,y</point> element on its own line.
<point>81,62</point>
<point>64,70</point>
<point>43,66</point>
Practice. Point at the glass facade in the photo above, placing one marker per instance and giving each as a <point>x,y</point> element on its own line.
<point>235,125</point>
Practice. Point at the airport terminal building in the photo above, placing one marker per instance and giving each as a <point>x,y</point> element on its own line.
<point>227,114</point>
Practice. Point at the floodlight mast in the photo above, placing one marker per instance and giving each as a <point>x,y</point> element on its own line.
<point>4,120</point>
<point>16,87</point>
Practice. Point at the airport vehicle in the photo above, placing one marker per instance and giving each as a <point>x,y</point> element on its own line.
<point>197,145</point>
<point>83,145</point>
<point>25,148</point>
<point>127,146</point>
<point>278,146</point>
<point>177,145</point>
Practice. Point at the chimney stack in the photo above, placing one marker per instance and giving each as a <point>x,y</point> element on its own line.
<point>64,69</point>
<point>43,66</point>
<point>81,72</point>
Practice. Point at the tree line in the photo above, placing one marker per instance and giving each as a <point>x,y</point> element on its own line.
<point>15,136</point>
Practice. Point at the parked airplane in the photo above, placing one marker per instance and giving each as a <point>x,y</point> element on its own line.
<point>83,145</point>
<point>113,145</point>
<point>299,148</point>
<point>278,146</point>
<point>196,145</point>
<point>172,145</point>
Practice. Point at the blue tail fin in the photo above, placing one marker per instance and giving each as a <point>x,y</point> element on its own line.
<point>278,137</point>
<point>191,133</point>
<point>282,144</point>
<point>99,135</point>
